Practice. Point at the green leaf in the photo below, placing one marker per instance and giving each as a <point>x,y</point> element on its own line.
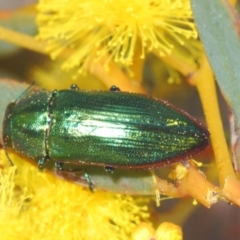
<point>219,27</point>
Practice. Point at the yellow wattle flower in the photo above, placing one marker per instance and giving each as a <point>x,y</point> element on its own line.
<point>169,231</point>
<point>165,231</point>
<point>107,30</point>
<point>38,205</point>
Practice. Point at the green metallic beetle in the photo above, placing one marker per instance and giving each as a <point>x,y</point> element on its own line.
<point>114,129</point>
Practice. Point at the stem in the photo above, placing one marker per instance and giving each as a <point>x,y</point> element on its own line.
<point>22,40</point>
<point>138,64</point>
<point>205,83</point>
<point>114,76</point>
<point>204,191</point>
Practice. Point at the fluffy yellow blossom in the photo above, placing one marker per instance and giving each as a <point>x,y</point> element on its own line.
<point>165,231</point>
<point>37,205</point>
<point>169,231</point>
<point>90,31</point>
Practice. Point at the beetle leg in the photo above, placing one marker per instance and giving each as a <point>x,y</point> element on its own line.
<point>109,169</point>
<point>9,159</point>
<point>59,167</point>
<point>185,163</point>
<point>89,181</point>
<point>114,89</point>
<point>74,87</point>
<point>42,162</point>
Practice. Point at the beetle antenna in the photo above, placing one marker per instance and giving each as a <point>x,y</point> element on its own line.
<point>25,92</point>
<point>6,153</point>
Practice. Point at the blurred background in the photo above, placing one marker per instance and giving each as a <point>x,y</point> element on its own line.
<point>222,220</point>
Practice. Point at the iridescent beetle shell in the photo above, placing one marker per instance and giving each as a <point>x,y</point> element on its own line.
<point>113,129</point>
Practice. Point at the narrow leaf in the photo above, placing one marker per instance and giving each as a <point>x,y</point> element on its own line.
<point>218,26</point>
